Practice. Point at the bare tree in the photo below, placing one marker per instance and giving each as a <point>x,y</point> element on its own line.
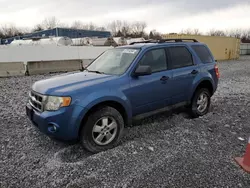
<point>1,34</point>
<point>190,31</point>
<point>9,30</point>
<point>115,26</point>
<point>25,30</point>
<point>81,25</point>
<point>37,27</point>
<point>138,28</point>
<point>186,31</point>
<point>50,23</point>
<point>214,32</point>
<point>63,25</point>
<point>196,32</point>
<point>153,34</point>
<point>77,25</point>
<point>90,26</point>
<point>245,38</point>
<point>126,28</point>
<point>101,28</point>
<point>245,34</point>
<point>237,33</point>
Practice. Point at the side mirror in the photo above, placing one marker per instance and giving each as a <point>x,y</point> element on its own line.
<point>143,70</point>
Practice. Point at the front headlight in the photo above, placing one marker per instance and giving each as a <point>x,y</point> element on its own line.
<point>53,103</point>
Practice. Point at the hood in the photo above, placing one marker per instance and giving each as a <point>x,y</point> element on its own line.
<point>65,84</point>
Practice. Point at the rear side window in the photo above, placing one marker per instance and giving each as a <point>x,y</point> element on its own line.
<point>180,57</point>
<point>203,53</point>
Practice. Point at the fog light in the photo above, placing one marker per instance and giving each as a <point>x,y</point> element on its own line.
<point>52,127</point>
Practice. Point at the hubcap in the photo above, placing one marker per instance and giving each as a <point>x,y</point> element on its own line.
<point>104,130</point>
<point>202,102</point>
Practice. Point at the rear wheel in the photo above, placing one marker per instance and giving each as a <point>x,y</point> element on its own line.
<point>102,130</point>
<point>200,103</point>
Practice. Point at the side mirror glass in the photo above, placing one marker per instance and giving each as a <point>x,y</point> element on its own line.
<point>143,70</point>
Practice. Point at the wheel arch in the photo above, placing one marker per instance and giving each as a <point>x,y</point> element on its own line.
<point>206,83</point>
<point>112,103</point>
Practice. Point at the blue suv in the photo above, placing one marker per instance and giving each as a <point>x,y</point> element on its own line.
<point>122,84</point>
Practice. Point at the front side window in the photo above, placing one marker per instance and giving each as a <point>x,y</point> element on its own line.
<point>156,59</point>
<point>114,61</point>
<point>180,57</point>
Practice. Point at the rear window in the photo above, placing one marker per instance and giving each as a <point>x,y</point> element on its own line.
<point>203,53</point>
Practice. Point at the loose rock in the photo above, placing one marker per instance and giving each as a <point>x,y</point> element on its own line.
<point>187,154</point>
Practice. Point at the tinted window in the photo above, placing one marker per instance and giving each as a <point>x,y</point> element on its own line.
<point>203,53</point>
<point>156,59</point>
<point>180,57</point>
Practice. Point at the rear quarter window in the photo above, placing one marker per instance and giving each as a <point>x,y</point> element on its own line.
<point>203,53</point>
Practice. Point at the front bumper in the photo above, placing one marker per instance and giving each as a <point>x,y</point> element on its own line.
<point>63,124</point>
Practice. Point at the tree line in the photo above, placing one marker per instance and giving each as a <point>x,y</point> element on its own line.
<point>118,28</point>
<point>244,34</point>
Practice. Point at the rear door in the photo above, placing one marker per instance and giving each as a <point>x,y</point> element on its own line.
<point>184,72</point>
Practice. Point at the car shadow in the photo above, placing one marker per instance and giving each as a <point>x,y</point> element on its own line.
<point>73,152</point>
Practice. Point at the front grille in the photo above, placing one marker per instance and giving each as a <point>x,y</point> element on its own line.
<point>36,101</point>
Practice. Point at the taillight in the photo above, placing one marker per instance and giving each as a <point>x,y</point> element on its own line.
<point>217,71</point>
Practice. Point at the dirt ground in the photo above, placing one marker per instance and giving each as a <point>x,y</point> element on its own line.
<point>166,150</point>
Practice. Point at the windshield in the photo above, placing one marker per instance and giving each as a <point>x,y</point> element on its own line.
<point>115,61</point>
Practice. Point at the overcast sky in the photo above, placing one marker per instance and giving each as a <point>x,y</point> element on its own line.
<point>163,15</point>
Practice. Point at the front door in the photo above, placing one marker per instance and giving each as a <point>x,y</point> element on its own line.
<point>151,92</point>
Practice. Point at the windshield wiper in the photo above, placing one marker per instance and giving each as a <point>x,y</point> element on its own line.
<point>98,72</point>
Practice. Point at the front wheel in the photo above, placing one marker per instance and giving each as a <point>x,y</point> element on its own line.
<point>200,103</point>
<point>102,130</point>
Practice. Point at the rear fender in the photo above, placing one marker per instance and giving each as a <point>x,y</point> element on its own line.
<point>199,79</point>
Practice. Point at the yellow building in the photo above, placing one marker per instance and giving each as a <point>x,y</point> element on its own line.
<point>223,48</point>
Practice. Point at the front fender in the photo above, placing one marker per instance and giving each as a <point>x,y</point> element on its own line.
<point>94,98</point>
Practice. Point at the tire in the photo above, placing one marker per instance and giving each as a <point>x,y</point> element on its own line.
<point>95,137</point>
<point>194,107</point>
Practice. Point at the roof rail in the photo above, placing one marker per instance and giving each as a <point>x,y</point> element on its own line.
<point>145,41</point>
<point>176,40</point>
<point>162,41</point>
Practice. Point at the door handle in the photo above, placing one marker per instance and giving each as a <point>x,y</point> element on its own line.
<point>164,78</point>
<point>194,72</point>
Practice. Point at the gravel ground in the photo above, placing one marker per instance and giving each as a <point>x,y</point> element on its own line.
<point>167,150</point>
